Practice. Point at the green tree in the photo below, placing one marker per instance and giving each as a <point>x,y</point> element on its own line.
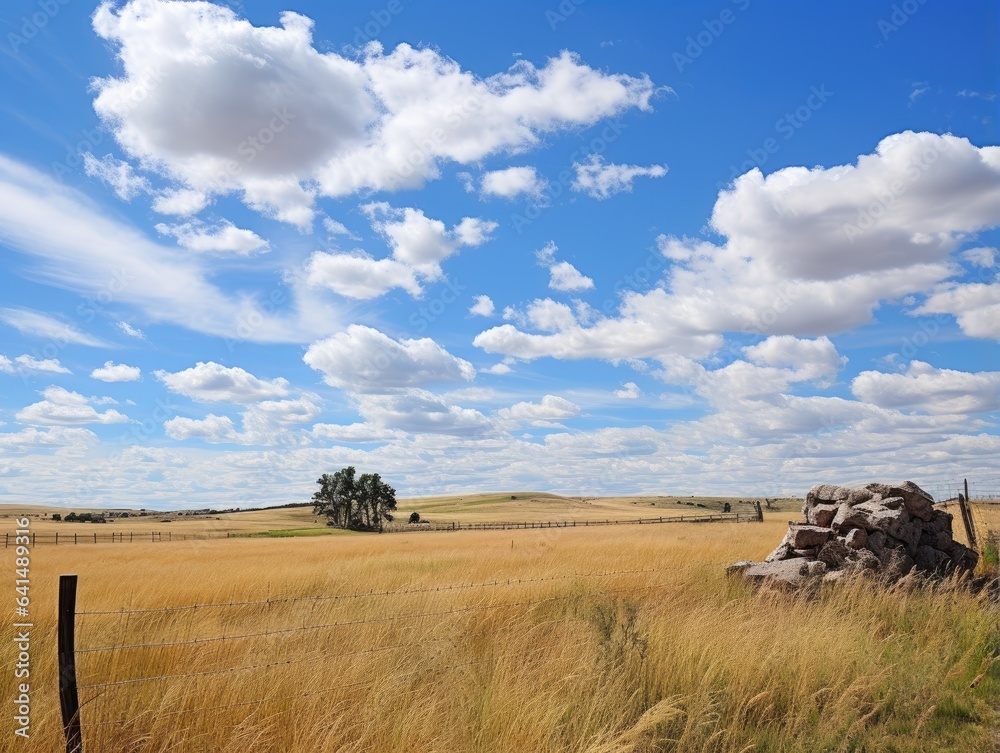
<point>360,503</point>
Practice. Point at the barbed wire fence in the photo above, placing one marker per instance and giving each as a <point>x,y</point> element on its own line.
<point>95,688</point>
<point>973,499</point>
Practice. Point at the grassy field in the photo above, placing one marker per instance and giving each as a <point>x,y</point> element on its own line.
<point>466,508</point>
<point>541,649</point>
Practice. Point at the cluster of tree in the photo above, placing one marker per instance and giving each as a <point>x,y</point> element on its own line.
<point>83,517</point>
<point>360,503</point>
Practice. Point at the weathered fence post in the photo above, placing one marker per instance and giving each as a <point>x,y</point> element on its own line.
<point>963,506</point>
<point>69,699</point>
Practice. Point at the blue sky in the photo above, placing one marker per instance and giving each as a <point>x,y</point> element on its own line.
<point>584,247</point>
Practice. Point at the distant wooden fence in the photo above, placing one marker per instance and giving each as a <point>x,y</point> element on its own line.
<point>733,517</point>
<point>130,537</point>
<point>112,537</point>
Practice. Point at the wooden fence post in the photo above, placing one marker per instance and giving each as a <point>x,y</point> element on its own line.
<point>963,506</point>
<point>69,700</point>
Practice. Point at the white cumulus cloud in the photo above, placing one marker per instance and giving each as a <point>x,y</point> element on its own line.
<point>225,238</point>
<point>549,408</point>
<point>483,306</point>
<point>628,391</point>
<point>931,390</point>
<point>807,255</point>
<point>117,372</point>
<point>418,243</point>
<point>61,407</point>
<point>213,382</point>
<point>297,122</point>
<point>25,363</point>
<point>563,276</point>
<point>601,180</point>
<point>512,182</point>
<point>362,359</point>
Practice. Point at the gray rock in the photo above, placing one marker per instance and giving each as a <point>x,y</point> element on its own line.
<point>918,503</point>
<point>930,560</point>
<point>833,553</point>
<point>827,493</point>
<point>891,529</point>
<point>862,559</point>
<point>892,503</point>
<point>897,564</point>
<point>872,516</point>
<point>737,568</point>
<point>876,542</point>
<point>781,552</point>
<point>816,568</point>
<point>846,519</point>
<point>961,556</point>
<point>940,522</point>
<point>940,540</point>
<point>820,515</point>
<point>856,538</point>
<point>909,534</point>
<point>805,536</point>
<point>786,572</point>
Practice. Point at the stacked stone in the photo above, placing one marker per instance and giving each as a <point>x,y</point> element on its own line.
<point>886,528</point>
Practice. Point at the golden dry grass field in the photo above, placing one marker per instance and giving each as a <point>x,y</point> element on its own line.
<point>466,508</point>
<point>533,641</point>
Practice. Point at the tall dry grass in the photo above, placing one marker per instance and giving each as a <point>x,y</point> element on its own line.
<point>680,659</point>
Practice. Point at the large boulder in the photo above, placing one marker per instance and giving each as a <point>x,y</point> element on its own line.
<point>890,528</point>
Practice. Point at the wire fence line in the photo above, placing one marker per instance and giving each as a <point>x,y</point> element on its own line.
<point>256,702</point>
<point>246,667</point>
<point>330,689</point>
<point>368,594</point>
<point>100,688</point>
<point>344,623</point>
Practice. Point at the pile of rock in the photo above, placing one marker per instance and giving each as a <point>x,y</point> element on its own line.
<point>885,528</point>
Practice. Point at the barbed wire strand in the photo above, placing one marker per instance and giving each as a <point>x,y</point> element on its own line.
<point>368,594</point>
<point>245,667</point>
<point>343,686</point>
<point>331,625</point>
